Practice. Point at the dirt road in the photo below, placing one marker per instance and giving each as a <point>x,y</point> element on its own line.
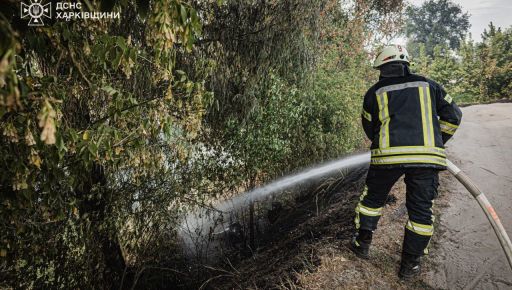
<point>468,254</point>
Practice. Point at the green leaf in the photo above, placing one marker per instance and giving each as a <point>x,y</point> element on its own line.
<point>121,42</point>
<point>61,146</point>
<point>93,149</point>
<point>183,13</point>
<point>110,90</point>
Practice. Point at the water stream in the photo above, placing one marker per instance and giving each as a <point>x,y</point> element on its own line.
<point>198,227</point>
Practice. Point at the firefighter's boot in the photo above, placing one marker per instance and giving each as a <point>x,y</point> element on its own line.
<point>360,243</point>
<point>409,267</point>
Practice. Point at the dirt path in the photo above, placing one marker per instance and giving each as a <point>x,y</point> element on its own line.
<point>467,252</point>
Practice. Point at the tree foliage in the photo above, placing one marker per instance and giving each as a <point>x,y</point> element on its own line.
<point>111,129</point>
<point>434,23</point>
<point>476,72</point>
<point>495,54</point>
<point>84,107</point>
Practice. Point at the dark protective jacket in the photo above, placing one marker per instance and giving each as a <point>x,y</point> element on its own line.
<point>408,119</point>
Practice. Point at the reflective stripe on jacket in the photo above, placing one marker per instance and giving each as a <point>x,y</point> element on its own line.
<point>408,120</point>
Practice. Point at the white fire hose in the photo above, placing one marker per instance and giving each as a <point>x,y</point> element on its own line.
<point>486,207</point>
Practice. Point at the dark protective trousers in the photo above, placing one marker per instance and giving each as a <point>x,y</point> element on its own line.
<point>421,186</point>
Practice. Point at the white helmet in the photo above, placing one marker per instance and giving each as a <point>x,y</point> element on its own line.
<point>391,53</point>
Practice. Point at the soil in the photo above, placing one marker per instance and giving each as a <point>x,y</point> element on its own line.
<point>308,249</point>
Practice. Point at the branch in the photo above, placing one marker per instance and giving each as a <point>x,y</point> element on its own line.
<point>124,110</point>
<point>78,67</point>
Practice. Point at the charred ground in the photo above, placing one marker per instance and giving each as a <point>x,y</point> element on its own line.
<point>306,248</point>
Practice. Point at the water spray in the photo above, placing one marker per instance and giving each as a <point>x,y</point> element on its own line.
<point>260,193</point>
<point>199,224</point>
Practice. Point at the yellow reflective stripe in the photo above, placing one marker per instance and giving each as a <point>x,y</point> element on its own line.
<point>401,87</point>
<point>386,125</point>
<point>367,115</point>
<point>430,122</point>
<point>448,98</point>
<point>356,220</point>
<point>423,116</point>
<point>447,128</point>
<point>363,211</point>
<point>408,159</point>
<point>365,192</point>
<point>425,251</point>
<point>448,124</point>
<point>420,229</point>
<point>382,101</point>
<point>368,211</point>
<point>408,150</point>
<point>426,116</point>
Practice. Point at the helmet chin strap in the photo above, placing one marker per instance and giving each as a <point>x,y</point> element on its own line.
<point>390,70</point>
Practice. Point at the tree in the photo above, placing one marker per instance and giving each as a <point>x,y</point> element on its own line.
<point>495,56</point>
<point>443,68</point>
<point>421,63</point>
<point>436,22</point>
<point>469,72</point>
<point>111,129</point>
<point>90,113</point>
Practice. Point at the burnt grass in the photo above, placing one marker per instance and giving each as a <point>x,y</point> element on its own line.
<point>303,245</point>
<point>289,245</point>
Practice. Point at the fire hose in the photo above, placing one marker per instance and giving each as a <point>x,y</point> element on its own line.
<point>486,206</point>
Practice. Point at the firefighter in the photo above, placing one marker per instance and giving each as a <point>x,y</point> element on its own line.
<point>408,118</point>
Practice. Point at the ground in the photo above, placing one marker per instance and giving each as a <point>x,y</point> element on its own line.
<point>468,254</point>
<point>465,252</point>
